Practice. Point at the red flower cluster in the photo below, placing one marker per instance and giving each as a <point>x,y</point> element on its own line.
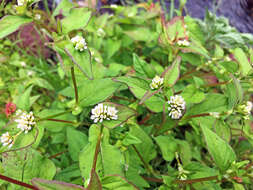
<point>9,109</point>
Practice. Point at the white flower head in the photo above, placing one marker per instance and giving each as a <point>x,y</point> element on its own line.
<point>23,64</point>
<point>215,114</point>
<point>6,139</point>
<point>176,106</point>
<point>100,32</point>
<point>183,42</point>
<point>156,83</point>
<point>37,16</point>
<point>21,2</point>
<point>26,121</point>
<point>114,6</point>
<point>79,43</point>
<point>103,112</point>
<point>245,109</point>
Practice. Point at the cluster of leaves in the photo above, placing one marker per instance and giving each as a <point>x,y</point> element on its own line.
<point>209,147</point>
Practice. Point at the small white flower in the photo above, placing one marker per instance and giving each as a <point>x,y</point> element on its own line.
<point>23,64</point>
<point>114,6</point>
<point>37,17</point>
<point>30,73</point>
<point>26,121</point>
<point>176,106</point>
<point>102,112</point>
<point>21,2</point>
<point>100,32</point>
<point>183,43</point>
<point>79,43</point>
<point>215,114</point>
<point>6,140</point>
<point>245,109</point>
<point>156,83</point>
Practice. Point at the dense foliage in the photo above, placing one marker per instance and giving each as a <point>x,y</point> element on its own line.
<point>129,100</point>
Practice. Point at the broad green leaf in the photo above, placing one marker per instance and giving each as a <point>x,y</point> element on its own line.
<point>130,139</point>
<point>242,59</point>
<point>43,184</point>
<point>168,146</point>
<point>171,74</point>
<point>63,7</point>
<point>54,126</point>
<point>124,113</point>
<point>220,150</point>
<point>111,47</point>
<point>23,163</point>
<point>81,60</point>
<point>147,147</point>
<point>78,18</point>
<point>96,91</point>
<point>140,34</point>
<point>23,101</point>
<point>139,88</point>
<point>230,66</point>
<point>76,141</point>
<point>116,182</point>
<point>191,94</point>
<point>41,83</point>
<point>213,102</point>
<point>142,68</point>
<point>11,23</point>
<point>223,130</point>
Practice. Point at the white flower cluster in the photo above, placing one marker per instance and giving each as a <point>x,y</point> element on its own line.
<point>176,106</point>
<point>7,139</point>
<point>183,42</point>
<point>23,2</point>
<point>25,121</point>
<point>102,112</point>
<point>79,43</point>
<point>156,83</point>
<point>246,109</point>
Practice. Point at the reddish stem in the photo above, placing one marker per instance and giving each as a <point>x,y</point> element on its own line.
<point>20,183</point>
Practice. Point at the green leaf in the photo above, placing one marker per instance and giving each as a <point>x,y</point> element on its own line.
<point>11,23</point>
<point>23,101</point>
<point>117,182</point>
<point>140,34</point>
<point>139,88</point>
<point>147,147</point>
<point>171,74</point>
<point>111,47</point>
<point>20,165</point>
<point>168,146</point>
<point>220,150</point>
<point>63,7</point>
<point>130,139</point>
<point>139,65</point>
<point>43,184</point>
<point>41,83</point>
<point>81,60</point>
<point>97,90</point>
<point>78,18</point>
<point>213,103</point>
<point>234,92</point>
<point>242,59</point>
<point>191,94</point>
<point>76,141</point>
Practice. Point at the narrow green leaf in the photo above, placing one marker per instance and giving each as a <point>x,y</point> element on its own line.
<point>43,184</point>
<point>171,74</point>
<point>242,59</point>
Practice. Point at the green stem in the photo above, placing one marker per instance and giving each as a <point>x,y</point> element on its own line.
<point>74,83</point>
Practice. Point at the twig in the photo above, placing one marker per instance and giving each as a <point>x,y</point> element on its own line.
<point>74,83</point>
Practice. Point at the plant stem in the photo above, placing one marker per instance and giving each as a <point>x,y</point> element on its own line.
<point>74,83</point>
<point>20,183</point>
<point>63,121</point>
<point>144,162</point>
